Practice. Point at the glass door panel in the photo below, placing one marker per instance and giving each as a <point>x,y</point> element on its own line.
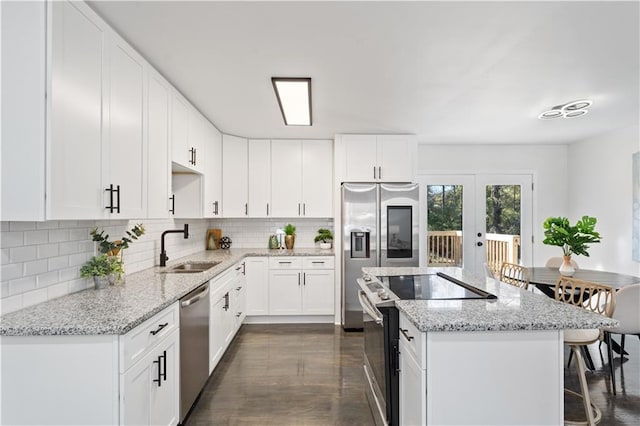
<point>444,225</point>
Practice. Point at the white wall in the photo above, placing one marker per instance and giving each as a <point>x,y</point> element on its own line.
<point>600,185</point>
<point>547,164</point>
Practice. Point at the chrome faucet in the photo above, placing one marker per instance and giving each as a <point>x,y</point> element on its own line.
<point>163,253</point>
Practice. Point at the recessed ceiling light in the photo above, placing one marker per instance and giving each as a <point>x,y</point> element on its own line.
<point>294,99</point>
<point>569,110</point>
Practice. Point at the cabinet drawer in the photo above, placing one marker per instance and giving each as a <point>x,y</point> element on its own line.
<point>414,340</point>
<point>324,262</point>
<point>285,263</point>
<point>136,343</point>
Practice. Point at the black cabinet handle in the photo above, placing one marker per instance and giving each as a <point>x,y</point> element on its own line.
<point>267,209</point>
<point>246,209</point>
<point>226,302</point>
<point>318,261</point>
<point>379,172</point>
<point>164,363</point>
<point>244,268</point>
<point>298,209</point>
<point>406,335</point>
<point>298,278</point>
<point>215,208</point>
<point>283,262</point>
<point>195,156</point>
<point>172,210</point>
<point>374,172</point>
<point>159,379</point>
<point>112,207</point>
<point>304,278</point>
<point>192,159</point>
<point>238,314</point>
<point>304,209</point>
<point>159,329</point>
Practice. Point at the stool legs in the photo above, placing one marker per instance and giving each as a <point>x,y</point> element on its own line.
<point>592,412</point>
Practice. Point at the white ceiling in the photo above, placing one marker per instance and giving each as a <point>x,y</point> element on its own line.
<point>450,72</point>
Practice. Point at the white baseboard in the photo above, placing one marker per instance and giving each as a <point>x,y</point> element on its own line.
<point>289,319</point>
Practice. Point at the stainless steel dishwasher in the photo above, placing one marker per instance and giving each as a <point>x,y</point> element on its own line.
<point>194,346</point>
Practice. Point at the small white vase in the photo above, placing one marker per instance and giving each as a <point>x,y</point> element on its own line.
<point>325,246</point>
<point>567,269</point>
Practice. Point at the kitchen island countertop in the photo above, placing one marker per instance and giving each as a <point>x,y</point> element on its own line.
<point>119,308</point>
<point>514,308</point>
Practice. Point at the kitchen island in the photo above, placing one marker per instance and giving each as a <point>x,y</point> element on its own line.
<point>483,361</point>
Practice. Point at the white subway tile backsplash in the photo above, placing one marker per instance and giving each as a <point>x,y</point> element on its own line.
<point>48,250</point>
<point>11,239</point>
<point>48,279</point>
<point>22,226</point>
<point>58,235</point>
<point>22,285</point>
<point>63,246</point>
<point>4,226</point>
<point>35,267</point>
<point>57,263</point>
<point>22,254</point>
<point>36,237</point>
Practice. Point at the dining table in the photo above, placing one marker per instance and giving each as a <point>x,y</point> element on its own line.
<point>545,278</point>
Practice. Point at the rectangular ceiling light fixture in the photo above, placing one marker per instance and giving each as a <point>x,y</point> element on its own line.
<point>294,98</point>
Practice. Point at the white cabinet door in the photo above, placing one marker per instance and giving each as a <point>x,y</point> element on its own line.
<point>125,162</point>
<point>361,158</point>
<point>217,329</point>
<point>317,178</point>
<point>285,292</point>
<point>165,395</point>
<point>187,195</point>
<point>149,389</point>
<point>235,179</point>
<point>158,161</point>
<point>74,187</point>
<point>396,158</point>
<point>257,277</point>
<point>317,292</point>
<point>213,172</point>
<point>286,178</point>
<point>239,292</point>
<point>197,135</point>
<point>180,153</point>
<point>413,389</point>
<point>259,177</point>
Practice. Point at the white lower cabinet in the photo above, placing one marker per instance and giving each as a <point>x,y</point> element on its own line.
<point>301,285</point>
<point>150,390</point>
<point>413,388</point>
<point>257,285</point>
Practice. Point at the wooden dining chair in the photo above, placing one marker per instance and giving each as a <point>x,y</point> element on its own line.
<point>513,274</point>
<point>596,298</point>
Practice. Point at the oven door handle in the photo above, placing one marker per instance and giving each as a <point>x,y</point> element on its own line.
<point>369,308</point>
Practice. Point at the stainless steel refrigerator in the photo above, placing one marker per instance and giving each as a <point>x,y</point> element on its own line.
<point>379,228</point>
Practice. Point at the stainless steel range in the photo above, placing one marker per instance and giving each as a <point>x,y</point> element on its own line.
<point>377,298</point>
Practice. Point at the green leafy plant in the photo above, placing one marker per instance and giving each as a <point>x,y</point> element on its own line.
<point>572,239</point>
<point>113,247</point>
<point>324,235</point>
<point>101,266</point>
<point>289,229</point>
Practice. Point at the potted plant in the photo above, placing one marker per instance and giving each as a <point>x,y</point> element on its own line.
<point>104,270</point>
<point>116,248</point>
<point>572,239</point>
<point>289,236</point>
<point>324,237</point>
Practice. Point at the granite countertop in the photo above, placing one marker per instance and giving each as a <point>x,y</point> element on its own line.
<point>515,309</point>
<point>118,309</point>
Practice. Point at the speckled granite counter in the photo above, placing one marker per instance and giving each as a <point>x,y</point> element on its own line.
<point>118,309</point>
<point>515,309</point>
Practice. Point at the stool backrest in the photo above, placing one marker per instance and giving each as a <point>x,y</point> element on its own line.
<point>513,274</point>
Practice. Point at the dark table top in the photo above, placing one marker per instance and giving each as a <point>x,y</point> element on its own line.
<point>543,276</point>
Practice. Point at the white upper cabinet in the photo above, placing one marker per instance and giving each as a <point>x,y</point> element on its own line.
<point>376,158</point>
<point>196,140</point>
<point>236,177</point>
<point>180,153</point>
<point>158,164</point>
<point>301,178</point>
<point>125,164</point>
<point>212,172</point>
<point>78,138</point>
<point>259,178</point>
<point>286,178</point>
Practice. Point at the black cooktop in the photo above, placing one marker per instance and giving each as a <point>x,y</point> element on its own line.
<point>438,286</point>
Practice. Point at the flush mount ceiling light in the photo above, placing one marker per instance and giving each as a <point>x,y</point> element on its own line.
<point>294,99</point>
<point>569,110</point>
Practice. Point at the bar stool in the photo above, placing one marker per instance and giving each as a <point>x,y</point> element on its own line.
<point>513,274</point>
<point>594,297</point>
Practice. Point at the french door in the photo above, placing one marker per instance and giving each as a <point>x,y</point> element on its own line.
<point>472,219</point>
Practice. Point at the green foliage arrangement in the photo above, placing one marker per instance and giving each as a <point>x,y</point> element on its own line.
<point>113,247</point>
<point>324,235</point>
<point>289,229</point>
<point>101,266</point>
<point>572,239</point>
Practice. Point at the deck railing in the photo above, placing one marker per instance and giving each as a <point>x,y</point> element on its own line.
<point>445,249</point>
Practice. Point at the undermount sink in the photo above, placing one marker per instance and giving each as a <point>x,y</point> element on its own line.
<point>191,267</point>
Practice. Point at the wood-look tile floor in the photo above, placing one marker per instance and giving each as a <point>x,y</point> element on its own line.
<point>312,375</point>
